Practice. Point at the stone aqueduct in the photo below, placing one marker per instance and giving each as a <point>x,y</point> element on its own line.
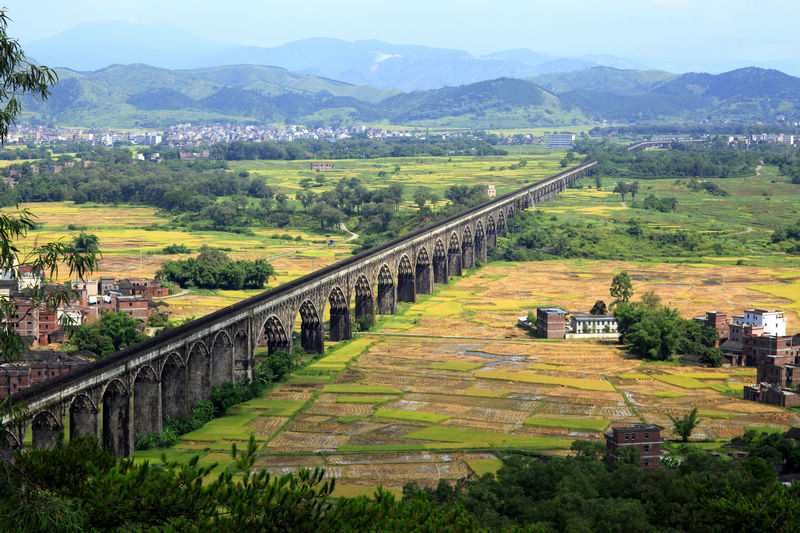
<point>130,392</point>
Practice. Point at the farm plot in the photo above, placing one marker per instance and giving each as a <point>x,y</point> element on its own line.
<point>129,244</point>
<point>412,401</point>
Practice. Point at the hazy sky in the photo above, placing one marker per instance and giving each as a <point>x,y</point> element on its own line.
<point>701,31</point>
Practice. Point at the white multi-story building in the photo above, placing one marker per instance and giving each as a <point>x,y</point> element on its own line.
<point>773,322</point>
<point>560,140</point>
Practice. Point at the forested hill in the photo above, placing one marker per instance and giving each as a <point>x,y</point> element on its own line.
<point>144,96</point>
<point>747,94</point>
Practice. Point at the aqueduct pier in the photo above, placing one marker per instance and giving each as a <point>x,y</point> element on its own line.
<point>130,392</point>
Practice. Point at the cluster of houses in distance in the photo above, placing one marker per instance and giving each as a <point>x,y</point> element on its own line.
<point>41,326</point>
<point>755,338</point>
<point>195,135</point>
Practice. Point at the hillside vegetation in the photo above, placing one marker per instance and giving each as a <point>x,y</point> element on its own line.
<point>145,96</point>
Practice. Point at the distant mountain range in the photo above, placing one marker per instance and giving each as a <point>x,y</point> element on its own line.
<point>144,96</point>
<point>95,45</point>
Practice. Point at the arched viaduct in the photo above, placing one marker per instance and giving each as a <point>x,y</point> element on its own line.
<point>130,392</point>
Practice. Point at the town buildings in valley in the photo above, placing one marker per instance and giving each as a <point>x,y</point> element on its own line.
<point>36,366</point>
<point>758,338</point>
<point>42,326</point>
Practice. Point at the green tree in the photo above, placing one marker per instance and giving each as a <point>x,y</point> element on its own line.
<point>651,300</point>
<point>86,243</point>
<point>18,76</point>
<point>306,198</point>
<point>622,189</point>
<point>599,308</point>
<point>686,424</point>
<point>86,337</point>
<point>421,196</point>
<point>633,188</point>
<point>282,201</point>
<point>214,257</point>
<point>116,330</point>
<point>621,288</point>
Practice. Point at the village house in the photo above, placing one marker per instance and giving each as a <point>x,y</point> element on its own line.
<point>551,323</point>
<point>778,370</point>
<point>645,437</point>
<point>756,347</point>
<point>717,320</point>
<point>148,288</point>
<point>771,394</point>
<point>555,323</point>
<point>491,192</point>
<point>321,165</point>
<point>773,322</point>
<point>585,324</point>
<point>36,366</point>
<point>43,326</point>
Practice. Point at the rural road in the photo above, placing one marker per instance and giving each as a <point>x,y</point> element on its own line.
<point>184,292</point>
<point>352,236</point>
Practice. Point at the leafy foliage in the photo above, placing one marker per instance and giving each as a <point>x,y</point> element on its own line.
<point>86,243</point>
<point>599,308</point>
<point>696,161</point>
<point>664,205</point>
<point>652,331</point>
<point>43,260</point>
<point>116,330</point>
<point>18,77</point>
<point>583,493</point>
<point>174,249</point>
<point>621,289</point>
<point>685,424</point>
<point>79,487</point>
<point>213,269</point>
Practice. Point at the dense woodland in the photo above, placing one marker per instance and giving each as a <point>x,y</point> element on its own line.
<point>696,492</point>
<point>213,269</point>
<point>701,160</point>
<point>80,487</point>
<point>358,148</point>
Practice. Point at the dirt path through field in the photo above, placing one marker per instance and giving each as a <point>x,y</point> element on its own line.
<point>352,237</point>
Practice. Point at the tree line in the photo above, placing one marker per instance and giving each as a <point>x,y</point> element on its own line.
<point>213,269</point>
<point>701,160</point>
<point>356,148</point>
<point>533,236</point>
<point>78,486</point>
<point>588,492</point>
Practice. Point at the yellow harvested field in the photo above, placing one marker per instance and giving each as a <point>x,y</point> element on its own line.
<point>467,378</point>
<point>130,250</point>
<point>528,377</point>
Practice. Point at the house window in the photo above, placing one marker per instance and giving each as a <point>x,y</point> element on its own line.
<point>647,462</point>
<point>647,447</point>
<point>647,435</point>
<point>633,436</point>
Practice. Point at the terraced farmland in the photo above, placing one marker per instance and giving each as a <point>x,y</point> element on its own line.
<point>436,398</point>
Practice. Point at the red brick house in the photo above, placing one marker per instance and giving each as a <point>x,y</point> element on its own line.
<point>779,370</point>
<point>756,347</point>
<point>645,437</point>
<point>136,306</point>
<point>717,320</point>
<point>20,376</point>
<point>551,323</point>
<point>771,394</point>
